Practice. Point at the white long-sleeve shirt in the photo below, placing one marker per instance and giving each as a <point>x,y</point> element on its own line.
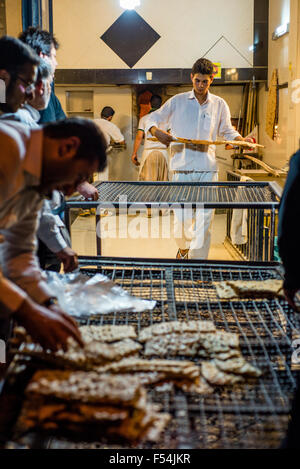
<point>20,171</point>
<point>186,118</point>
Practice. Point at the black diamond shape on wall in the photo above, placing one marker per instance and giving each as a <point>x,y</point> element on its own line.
<point>130,37</point>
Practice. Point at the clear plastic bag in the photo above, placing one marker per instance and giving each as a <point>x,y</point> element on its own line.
<point>82,296</point>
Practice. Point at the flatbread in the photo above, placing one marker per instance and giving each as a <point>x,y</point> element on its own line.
<point>173,345</point>
<point>213,142</point>
<point>85,387</point>
<point>224,291</point>
<point>220,342</point>
<point>170,368</point>
<point>178,327</point>
<point>239,366</point>
<point>107,333</point>
<point>231,289</point>
<point>217,377</point>
<point>75,358</point>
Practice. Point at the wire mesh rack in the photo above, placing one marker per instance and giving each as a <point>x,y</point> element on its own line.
<point>212,195</point>
<point>259,231</point>
<point>251,415</point>
<point>261,199</point>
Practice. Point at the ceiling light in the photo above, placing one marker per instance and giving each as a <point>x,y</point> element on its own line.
<point>281,31</point>
<point>129,4</point>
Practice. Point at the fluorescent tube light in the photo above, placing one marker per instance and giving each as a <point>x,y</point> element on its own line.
<point>281,31</point>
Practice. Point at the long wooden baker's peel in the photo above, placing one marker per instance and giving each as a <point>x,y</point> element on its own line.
<point>210,142</point>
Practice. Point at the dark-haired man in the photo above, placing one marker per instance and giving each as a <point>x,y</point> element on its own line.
<point>45,45</point>
<point>18,70</point>
<point>108,127</point>
<point>59,156</point>
<point>196,115</point>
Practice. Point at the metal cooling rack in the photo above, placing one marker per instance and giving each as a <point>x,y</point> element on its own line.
<point>258,198</point>
<point>212,195</point>
<point>252,415</point>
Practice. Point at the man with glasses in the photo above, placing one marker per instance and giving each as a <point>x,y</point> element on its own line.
<point>45,45</point>
<point>18,70</point>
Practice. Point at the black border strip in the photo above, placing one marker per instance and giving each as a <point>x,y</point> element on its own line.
<point>50,7</point>
<point>162,76</point>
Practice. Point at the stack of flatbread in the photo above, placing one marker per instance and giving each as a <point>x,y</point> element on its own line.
<point>99,404</point>
<point>102,345</point>
<point>184,375</point>
<point>116,350</point>
<point>225,364</point>
<point>230,289</point>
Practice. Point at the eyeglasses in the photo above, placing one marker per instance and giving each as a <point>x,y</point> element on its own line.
<point>29,86</point>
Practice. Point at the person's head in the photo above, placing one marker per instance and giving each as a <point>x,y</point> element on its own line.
<point>42,42</point>
<point>107,113</point>
<point>202,76</point>
<point>18,69</point>
<point>42,90</point>
<point>155,101</point>
<point>73,149</point>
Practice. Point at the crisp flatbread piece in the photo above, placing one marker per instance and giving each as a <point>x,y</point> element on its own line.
<point>255,287</point>
<point>97,351</point>
<point>170,368</point>
<point>178,327</point>
<point>76,358</point>
<point>213,142</point>
<point>239,366</point>
<point>199,344</point>
<point>215,376</point>
<point>85,387</point>
<point>143,423</point>
<point>231,289</point>
<point>224,290</point>
<point>173,345</point>
<point>220,342</point>
<point>107,333</point>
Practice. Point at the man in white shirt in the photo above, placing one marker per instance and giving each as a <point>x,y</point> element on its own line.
<point>154,162</point>
<point>111,129</point>
<point>197,115</point>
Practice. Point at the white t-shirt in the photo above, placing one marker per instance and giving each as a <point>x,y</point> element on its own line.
<point>148,144</point>
<point>110,129</point>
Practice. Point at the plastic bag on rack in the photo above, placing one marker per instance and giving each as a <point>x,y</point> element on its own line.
<point>83,297</point>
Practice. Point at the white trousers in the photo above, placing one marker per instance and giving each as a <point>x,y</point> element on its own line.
<point>192,227</point>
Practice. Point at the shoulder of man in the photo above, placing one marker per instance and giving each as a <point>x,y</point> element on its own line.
<point>53,112</point>
<point>217,99</point>
<point>14,137</point>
